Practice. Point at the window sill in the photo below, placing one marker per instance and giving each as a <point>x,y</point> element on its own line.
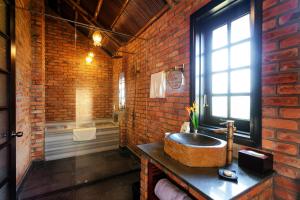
<point>240,137</point>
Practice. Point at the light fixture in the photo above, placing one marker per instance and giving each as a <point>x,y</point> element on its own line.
<point>91,54</point>
<point>97,38</point>
<point>89,58</point>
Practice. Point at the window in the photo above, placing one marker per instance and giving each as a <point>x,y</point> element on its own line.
<point>121,91</point>
<point>225,66</point>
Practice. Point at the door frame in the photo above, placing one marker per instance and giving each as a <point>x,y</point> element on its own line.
<point>12,100</point>
<point>11,96</point>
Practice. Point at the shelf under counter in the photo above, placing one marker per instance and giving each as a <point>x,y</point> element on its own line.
<point>203,182</point>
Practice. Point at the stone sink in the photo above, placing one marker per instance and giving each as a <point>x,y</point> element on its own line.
<point>196,150</point>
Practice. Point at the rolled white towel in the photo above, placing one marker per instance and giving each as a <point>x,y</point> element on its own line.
<point>165,190</point>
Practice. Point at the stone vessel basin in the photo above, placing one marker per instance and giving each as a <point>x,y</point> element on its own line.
<point>196,150</point>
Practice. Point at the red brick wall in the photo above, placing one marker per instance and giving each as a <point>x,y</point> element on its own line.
<point>38,81</point>
<point>67,73</point>
<point>281,69</point>
<point>169,45</point>
<point>23,82</point>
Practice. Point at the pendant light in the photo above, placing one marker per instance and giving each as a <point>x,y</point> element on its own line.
<point>97,38</point>
<point>90,57</point>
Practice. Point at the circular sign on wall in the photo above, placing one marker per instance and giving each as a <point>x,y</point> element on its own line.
<point>175,79</point>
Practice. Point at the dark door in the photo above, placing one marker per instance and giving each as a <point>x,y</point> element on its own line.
<point>7,101</point>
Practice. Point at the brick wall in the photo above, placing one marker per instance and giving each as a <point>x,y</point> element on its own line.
<point>23,82</point>
<point>281,67</point>
<point>71,85</point>
<point>37,80</point>
<point>169,45</point>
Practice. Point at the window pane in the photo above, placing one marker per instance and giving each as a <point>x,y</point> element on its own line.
<point>240,81</point>
<point>219,106</point>
<point>240,55</point>
<point>219,38</point>
<point>220,60</point>
<point>240,107</point>
<point>240,29</point>
<point>220,83</point>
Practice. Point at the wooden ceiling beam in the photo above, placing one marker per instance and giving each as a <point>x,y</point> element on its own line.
<point>88,18</point>
<point>120,13</point>
<point>76,12</point>
<point>98,8</point>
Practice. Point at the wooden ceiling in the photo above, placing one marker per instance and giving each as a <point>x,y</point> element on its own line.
<point>130,17</point>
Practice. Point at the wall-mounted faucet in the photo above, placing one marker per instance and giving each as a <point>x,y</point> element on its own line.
<point>229,131</point>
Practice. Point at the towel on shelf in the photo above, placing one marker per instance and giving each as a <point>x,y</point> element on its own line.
<point>165,190</point>
<point>158,85</point>
<point>84,134</point>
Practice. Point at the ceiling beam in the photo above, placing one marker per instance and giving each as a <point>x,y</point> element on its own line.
<point>119,14</point>
<point>88,18</point>
<point>98,8</point>
<point>76,12</point>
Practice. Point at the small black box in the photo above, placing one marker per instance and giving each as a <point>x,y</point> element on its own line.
<point>254,160</point>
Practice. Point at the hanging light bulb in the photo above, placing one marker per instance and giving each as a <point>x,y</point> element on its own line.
<point>89,58</point>
<point>91,54</point>
<point>97,38</point>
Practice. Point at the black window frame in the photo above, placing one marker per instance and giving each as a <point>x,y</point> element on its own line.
<point>212,15</point>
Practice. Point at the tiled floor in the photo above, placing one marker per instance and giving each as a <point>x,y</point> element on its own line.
<point>105,175</point>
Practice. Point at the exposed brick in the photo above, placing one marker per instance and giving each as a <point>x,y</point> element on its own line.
<point>289,137</point>
<point>279,33</point>
<point>280,101</point>
<point>280,9</point>
<point>284,194</point>
<point>291,41</point>
<point>287,171</point>
<point>280,124</point>
<point>290,149</point>
<point>268,47</point>
<point>289,17</point>
<point>280,78</point>
<point>268,90</point>
<point>269,112</point>
<point>289,89</point>
<point>281,55</point>
<point>268,133</point>
<point>290,65</point>
<point>293,113</point>
<point>268,25</point>
<point>69,78</point>
<point>287,183</point>
<point>269,3</point>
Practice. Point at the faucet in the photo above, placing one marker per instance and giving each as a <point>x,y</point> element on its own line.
<point>229,131</point>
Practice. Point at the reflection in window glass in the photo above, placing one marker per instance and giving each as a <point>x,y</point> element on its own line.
<point>240,55</point>
<point>240,29</point>
<point>240,81</point>
<point>219,106</point>
<point>220,60</point>
<point>240,107</point>
<point>220,83</point>
<point>219,38</point>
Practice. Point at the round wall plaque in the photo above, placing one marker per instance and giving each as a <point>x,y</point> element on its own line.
<point>175,79</point>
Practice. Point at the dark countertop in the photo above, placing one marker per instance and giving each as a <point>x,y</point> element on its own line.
<point>206,180</point>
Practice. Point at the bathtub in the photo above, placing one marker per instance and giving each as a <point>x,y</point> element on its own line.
<point>59,139</point>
